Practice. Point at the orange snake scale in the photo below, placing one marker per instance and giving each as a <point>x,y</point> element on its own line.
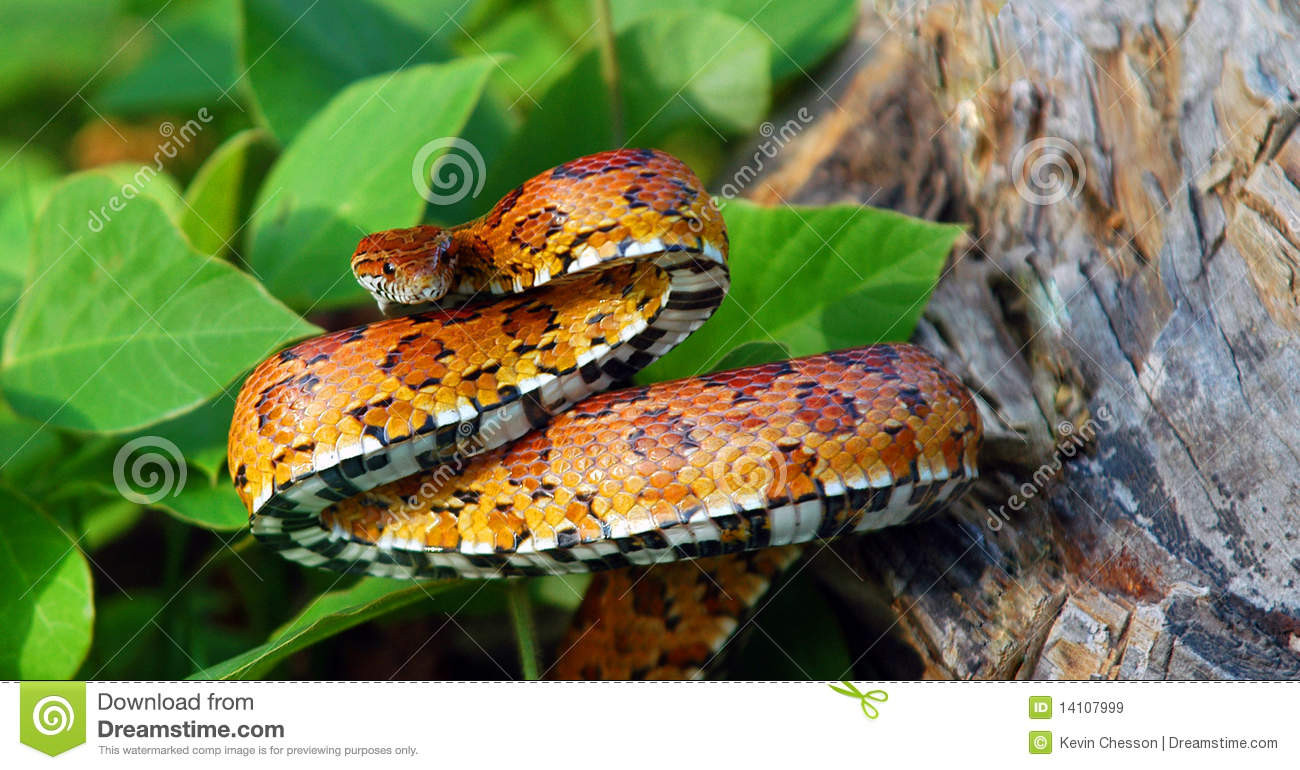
<point>472,437</point>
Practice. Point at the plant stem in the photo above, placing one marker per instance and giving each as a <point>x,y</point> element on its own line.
<point>521,617</point>
<point>609,68</point>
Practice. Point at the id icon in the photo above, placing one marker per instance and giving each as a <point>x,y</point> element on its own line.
<point>1040,707</point>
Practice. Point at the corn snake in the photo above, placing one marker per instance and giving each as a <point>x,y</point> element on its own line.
<point>478,438</point>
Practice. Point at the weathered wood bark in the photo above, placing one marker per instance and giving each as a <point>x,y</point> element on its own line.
<point>1131,173</point>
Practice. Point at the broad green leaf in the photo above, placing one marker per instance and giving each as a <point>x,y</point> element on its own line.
<point>133,182</point>
<point>327,615</point>
<point>752,353</point>
<point>349,172</point>
<point>801,34</point>
<point>703,71</point>
<point>539,50</point>
<point>816,279</point>
<point>221,188</point>
<point>127,325</point>
<point>107,521</point>
<point>300,55</point>
<point>21,166</point>
<point>188,61</point>
<point>46,610</point>
<point>53,45</point>
<point>200,434</point>
<point>25,185</point>
<point>26,447</point>
<point>207,504</point>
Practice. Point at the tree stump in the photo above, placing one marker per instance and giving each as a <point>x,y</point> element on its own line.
<point>1127,309</point>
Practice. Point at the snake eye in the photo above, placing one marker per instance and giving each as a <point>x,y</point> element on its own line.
<point>389,268</point>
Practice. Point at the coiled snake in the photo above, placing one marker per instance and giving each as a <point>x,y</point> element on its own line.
<point>473,439</point>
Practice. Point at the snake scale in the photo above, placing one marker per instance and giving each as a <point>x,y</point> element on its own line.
<point>476,436</point>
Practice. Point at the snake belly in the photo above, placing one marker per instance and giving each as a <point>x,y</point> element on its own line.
<point>477,441</point>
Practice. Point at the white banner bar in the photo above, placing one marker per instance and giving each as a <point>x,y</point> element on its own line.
<point>651,725</point>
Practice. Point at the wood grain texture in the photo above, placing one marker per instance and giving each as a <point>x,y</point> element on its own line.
<point>1134,342</point>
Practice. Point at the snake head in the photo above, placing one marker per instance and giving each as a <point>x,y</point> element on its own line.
<point>408,266</point>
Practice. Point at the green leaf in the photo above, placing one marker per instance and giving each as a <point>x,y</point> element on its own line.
<point>538,49</point>
<point>106,522</point>
<point>189,61</point>
<point>53,45</point>
<point>25,185</point>
<point>127,325</point>
<point>704,71</point>
<point>221,189</point>
<point>801,34</point>
<point>137,180</point>
<point>201,434</point>
<point>299,56</point>
<point>207,504</point>
<point>815,279</point>
<point>350,172</point>
<point>46,611</point>
<point>327,615</point>
<point>26,447</point>
<point>752,353</point>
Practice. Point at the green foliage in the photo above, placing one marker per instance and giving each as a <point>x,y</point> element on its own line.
<point>132,304</point>
<point>45,608</point>
<point>320,199</point>
<point>801,277</point>
<point>151,321</point>
<point>326,615</point>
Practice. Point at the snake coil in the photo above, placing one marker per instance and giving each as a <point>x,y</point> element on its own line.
<point>474,438</point>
